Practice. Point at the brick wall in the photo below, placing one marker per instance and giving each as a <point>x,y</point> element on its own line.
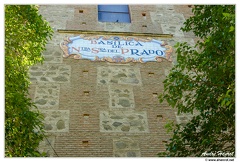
<point>101,109</point>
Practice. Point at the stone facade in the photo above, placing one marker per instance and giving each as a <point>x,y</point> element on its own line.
<point>102,109</point>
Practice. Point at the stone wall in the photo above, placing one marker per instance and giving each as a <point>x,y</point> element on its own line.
<point>101,109</point>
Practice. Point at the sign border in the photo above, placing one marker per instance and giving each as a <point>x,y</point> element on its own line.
<point>64,47</point>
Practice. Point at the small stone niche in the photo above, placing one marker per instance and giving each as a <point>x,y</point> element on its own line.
<point>159,116</point>
<point>85,143</point>
<point>85,72</point>
<point>155,95</point>
<point>86,116</point>
<point>80,11</point>
<point>150,74</point>
<point>86,93</point>
<point>164,141</point>
<point>144,14</point>
<point>84,23</point>
<point>144,26</point>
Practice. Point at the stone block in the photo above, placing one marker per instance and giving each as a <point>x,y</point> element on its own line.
<point>172,29</point>
<point>47,145</point>
<point>56,120</point>
<point>57,73</point>
<point>122,74</point>
<point>52,54</point>
<point>126,147</point>
<point>47,96</point>
<point>121,96</point>
<point>167,18</point>
<point>124,121</point>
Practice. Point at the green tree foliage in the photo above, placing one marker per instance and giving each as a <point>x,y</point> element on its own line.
<point>203,80</point>
<point>26,35</point>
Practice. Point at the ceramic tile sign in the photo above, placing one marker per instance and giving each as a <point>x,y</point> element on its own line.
<point>116,49</point>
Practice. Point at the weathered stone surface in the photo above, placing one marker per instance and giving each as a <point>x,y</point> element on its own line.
<point>172,29</point>
<point>117,155</point>
<point>51,73</point>
<point>60,78</point>
<point>33,79</point>
<point>124,95</point>
<point>57,53</point>
<point>107,127</point>
<point>50,91</point>
<point>116,124</point>
<point>123,121</point>
<point>50,58</point>
<point>34,68</point>
<point>44,146</point>
<point>116,117</point>
<point>56,114</point>
<point>52,54</point>
<point>140,116</point>
<point>53,68</point>
<point>104,72</point>
<point>124,102</point>
<point>120,145</point>
<point>121,96</point>
<point>117,91</point>
<point>126,147</point>
<point>119,75</point>
<point>60,124</point>
<point>131,154</point>
<point>134,145</point>
<point>113,81</point>
<point>160,17</point>
<point>125,128</point>
<point>52,102</point>
<point>48,127</point>
<point>131,117</point>
<point>39,73</point>
<point>135,123</point>
<point>103,81</point>
<point>141,128</point>
<point>123,27</point>
<point>43,79</point>
<point>47,96</point>
<point>41,102</point>
<point>126,91</point>
<point>57,120</point>
<point>131,81</point>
